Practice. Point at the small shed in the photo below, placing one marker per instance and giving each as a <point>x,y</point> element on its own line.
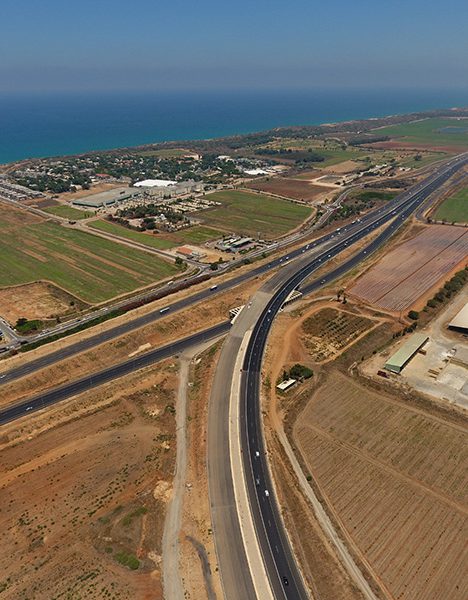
<point>285,385</point>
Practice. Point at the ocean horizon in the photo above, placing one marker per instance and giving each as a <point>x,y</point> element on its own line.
<point>39,125</point>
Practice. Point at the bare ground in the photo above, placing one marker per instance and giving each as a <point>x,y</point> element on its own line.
<point>84,487</point>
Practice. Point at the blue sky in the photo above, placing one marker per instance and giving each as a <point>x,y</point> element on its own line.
<point>178,44</point>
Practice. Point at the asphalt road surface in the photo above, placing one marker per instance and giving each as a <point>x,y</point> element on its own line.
<point>89,382</point>
<point>284,574</point>
<point>29,367</point>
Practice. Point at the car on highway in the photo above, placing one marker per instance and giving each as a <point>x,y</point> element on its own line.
<point>213,287</point>
<point>285,580</point>
<point>267,493</point>
<point>29,408</point>
<point>165,309</point>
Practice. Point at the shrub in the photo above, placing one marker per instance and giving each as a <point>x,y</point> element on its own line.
<point>413,314</point>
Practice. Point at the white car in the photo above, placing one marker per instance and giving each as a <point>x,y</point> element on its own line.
<point>267,493</point>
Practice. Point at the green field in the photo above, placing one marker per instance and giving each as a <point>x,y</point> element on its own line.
<point>88,266</point>
<point>198,234</point>
<point>68,212</point>
<point>253,214</point>
<point>427,158</point>
<point>149,239</point>
<point>430,131</point>
<point>454,209</point>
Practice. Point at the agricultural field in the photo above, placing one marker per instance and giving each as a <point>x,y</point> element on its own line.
<point>297,189</point>
<point>454,209</point>
<point>327,332</point>
<point>198,234</point>
<point>253,214</point>
<point>149,239</point>
<point>68,212</point>
<point>90,267</point>
<point>84,489</point>
<point>37,300</point>
<point>423,159</point>
<point>436,133</point>
<point>406,273</point>
<point>331,152</point>
<point>395,479</point>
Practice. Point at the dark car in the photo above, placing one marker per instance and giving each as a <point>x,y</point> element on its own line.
<point>285,580</point>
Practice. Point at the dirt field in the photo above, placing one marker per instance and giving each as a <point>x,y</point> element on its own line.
<point>395,479</point>
<point>297,189</point>
<point>347,166</point>
<point>83,490</point>
<point>406,273</point>
<point>37,301</point>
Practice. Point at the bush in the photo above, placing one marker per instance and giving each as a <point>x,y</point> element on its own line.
<point>300,372</point>
<point>128,560</point>
<point>413,315</point>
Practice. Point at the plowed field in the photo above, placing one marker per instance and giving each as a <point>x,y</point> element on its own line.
<point>396,480</point>
<point>296,189</point>
<point>406,273</point>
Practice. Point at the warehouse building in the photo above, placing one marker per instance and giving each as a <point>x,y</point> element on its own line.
<point>460,321</point>
<point>106,198</point>
<point>397,362</point>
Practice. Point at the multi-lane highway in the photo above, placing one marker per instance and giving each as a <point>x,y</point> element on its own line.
<point>284,576</point>
<point>72,349</point>
<point>89,382</point>
<point>333,243</point>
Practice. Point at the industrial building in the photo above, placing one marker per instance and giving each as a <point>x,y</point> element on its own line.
<point>460,321</point>
<point>397,362</point>
<point>188,252</point>
<point>150,183</point>
<point>106,198</point>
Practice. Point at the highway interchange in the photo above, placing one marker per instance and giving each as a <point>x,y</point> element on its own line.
<point>284,576</point>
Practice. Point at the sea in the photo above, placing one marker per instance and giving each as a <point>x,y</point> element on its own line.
<point>53,124</point>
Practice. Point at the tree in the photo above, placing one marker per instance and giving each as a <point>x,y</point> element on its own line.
<point>413,315</point>
<point>214,266</point>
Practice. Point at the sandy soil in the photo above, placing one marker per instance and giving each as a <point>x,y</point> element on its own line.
<point>86,484</point>
<point>39,300</point>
